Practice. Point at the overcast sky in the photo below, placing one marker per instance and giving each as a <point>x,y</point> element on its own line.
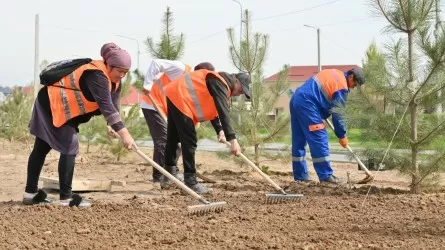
<point>70,29</point>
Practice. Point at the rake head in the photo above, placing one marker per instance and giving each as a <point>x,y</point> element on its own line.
<point>210,207</point>
<point>280,198</point>
<point>367,179</point>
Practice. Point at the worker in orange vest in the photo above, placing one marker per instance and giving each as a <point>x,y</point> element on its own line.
<point>194,97</point>
<point>159,74</point>
<point>92,89</point>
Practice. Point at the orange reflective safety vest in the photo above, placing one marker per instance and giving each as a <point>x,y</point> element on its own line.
<point>330,81</point>
<point>67,100</point>
<point>157,93</point>
<point>190,95</point>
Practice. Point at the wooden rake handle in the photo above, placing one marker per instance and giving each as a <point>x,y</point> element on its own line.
<point>353,154</point>
<point>171,177</point>
<point>256,168</point>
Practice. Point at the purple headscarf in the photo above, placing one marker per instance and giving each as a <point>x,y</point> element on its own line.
<point>115,56</point>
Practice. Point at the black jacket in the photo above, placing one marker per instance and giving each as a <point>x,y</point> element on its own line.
<point>218,90</point>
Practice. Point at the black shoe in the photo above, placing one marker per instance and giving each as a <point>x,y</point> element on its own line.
<point>75,201</point>
<point>40,198</point>
<point>191,182</point>
<point>333,179</point>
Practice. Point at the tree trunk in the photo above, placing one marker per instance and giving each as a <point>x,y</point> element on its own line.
<point>88,146</point>
<point>257,154</point>
<point>415,185</point>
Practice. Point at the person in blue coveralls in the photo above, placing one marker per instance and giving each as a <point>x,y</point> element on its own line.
<point>309,106</point>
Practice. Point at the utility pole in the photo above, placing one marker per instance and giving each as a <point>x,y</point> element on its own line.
<point>36,57</point>
<point>318,45</point>
<point>436,34</point>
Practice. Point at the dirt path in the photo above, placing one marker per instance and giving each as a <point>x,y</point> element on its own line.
<point>141,216</point>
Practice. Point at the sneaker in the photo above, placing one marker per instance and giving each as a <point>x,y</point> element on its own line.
<point>333,179</point>
<point>156,180</point>
<point>75,201</point>
<point>36,198</point>
<point>199,189</point>
<point>180,177</point>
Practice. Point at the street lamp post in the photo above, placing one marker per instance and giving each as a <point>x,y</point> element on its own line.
<point>137,42</point>
<point>318,41</point>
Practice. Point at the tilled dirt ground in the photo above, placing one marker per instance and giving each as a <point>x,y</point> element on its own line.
<point>141,216</point>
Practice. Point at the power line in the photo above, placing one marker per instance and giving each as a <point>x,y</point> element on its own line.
<point>269,17</point>
<point>296,11</point>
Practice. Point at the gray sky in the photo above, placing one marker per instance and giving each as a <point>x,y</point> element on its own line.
<point>70,29</point>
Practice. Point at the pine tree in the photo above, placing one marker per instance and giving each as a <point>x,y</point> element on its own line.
<point>252,119</point>
<point>15,113</point>
<point>405,79</point>
<point>170,46</point>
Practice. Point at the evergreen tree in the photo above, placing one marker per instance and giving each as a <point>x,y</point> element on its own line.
<point>251,119</point>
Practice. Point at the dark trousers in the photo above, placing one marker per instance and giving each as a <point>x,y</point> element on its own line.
<point>158,131</point>
<point>35,165</point>
<point>181,129</point>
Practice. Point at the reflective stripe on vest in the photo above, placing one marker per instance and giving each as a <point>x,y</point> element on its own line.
<point>66,108</point>
<point>77,94</point>
<point>63,93</point>
<point>194,97</point>
<point>161,88</point>
<point>321,87</point>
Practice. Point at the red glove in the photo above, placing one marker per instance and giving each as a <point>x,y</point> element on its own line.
<point>343,142</point>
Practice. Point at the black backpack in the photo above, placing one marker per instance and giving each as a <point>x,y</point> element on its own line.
<point>57,70</point>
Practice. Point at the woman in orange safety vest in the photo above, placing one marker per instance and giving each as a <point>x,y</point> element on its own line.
<point>92,89</point>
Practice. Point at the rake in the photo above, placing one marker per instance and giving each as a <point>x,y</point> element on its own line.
<point>270,198</point>
<point>204,208</point>
<point>369,177</point>
<point>200,176</point>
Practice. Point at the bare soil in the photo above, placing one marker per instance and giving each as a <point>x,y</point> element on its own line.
<point>142,216</point>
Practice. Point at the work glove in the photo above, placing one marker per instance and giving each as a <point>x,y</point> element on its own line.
<point>343,142</point>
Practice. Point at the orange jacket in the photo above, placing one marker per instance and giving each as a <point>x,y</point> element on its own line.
<point>190,95</point>
<point>330,81</point>
<point>67,100</point>
<point>157,92</point>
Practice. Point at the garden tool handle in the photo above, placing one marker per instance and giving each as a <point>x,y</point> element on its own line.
<point>171,177</point>
<point>353,154</point>
<point>156,107</point>
<point>252,165</point>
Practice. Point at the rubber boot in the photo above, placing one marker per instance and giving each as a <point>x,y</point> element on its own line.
<point>166,182</point>
<point>191,182</point>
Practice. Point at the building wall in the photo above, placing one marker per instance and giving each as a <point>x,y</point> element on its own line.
<point>282,104</point>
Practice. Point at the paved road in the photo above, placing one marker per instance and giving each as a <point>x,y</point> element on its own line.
<point>273,148</point>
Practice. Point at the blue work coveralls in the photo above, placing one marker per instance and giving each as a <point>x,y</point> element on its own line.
<point>309,106</point>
